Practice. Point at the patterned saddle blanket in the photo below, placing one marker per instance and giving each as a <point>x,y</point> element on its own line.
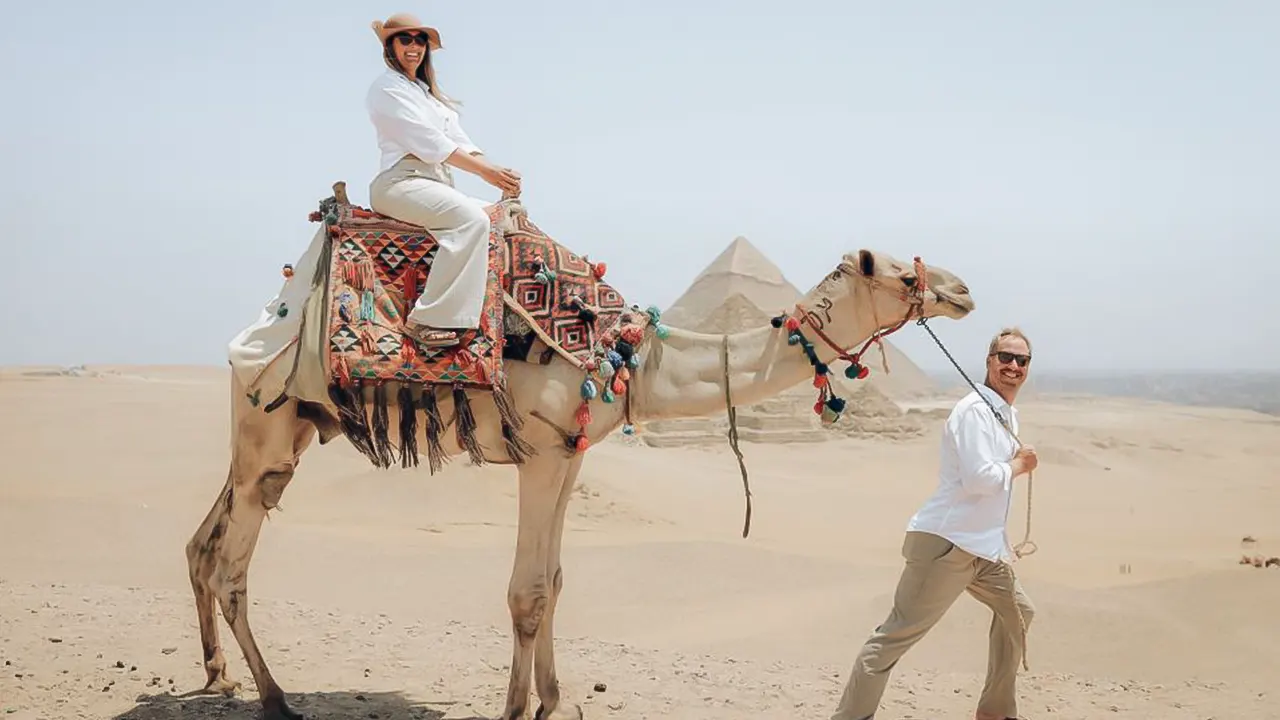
<point>537,288</point>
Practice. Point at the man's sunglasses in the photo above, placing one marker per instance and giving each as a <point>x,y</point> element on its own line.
<point>411,39</point>
<point>1006,357</point>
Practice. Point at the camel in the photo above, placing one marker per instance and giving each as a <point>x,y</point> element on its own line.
<point>683,374</point>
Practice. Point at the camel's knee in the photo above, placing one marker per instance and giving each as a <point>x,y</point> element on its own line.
<point>528,605</point>
<point>271,486</point>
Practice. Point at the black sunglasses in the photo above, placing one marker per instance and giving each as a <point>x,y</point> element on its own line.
<point>411,39</point>
<point>1006,357</point>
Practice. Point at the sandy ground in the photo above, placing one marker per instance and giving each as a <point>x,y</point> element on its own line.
<point>382,594</point>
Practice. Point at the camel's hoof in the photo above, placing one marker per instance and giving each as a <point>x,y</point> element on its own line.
<point>222,686</point>
<point>275,708</point>
<point>573,712</point>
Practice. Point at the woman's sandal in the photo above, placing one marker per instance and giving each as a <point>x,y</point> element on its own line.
<point>431,337</point>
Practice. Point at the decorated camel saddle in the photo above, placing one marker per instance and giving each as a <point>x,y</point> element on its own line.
<point>542,300</point>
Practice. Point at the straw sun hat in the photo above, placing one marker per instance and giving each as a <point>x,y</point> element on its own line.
<point>402,22</point>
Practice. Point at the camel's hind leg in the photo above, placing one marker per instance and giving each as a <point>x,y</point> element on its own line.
<point>265,451</point>
<point>201,561</point>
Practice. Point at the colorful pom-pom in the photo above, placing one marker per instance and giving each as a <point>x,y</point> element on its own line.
<point>282,310</point>
<point>583,416</point>
<point>856,370</point>
<point>821,368</point>
<point>542,276</point>
<point>655,315</point>
<point>588,389</point>
<point>624,374</point>
<point>819,381</point>
<point>619,387</point>
<point>628,429</point>
<point>606,370</point>
<point>794,339</point>
<point>663,332</point>
<point>582,443</point>
<point>598,269</point>
<point>793,324</point>
<point>607,395</point>
<point>615,359</point>
<point>835,404</point>
<point>633,334</point>
<point>287,270</point>
<point>633,362</point>
<point>776,321</point>
<point>817,407</point>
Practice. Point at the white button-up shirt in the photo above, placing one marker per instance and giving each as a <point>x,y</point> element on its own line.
<point>970,506</point>
<point>409,120</point>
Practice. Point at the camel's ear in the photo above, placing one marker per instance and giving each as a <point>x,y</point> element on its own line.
<point>866,263</point>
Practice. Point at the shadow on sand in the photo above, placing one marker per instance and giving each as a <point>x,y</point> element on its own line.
<point>313,706</point>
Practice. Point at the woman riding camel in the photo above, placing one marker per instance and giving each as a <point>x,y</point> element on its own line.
<point>419,137</point>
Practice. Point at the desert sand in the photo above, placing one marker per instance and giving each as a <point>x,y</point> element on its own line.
<point>381,594</point>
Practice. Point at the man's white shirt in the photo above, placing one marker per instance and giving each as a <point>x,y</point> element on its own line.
<point>970,506</point>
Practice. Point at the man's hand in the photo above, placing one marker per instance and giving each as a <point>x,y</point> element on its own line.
<point>1024,461</point>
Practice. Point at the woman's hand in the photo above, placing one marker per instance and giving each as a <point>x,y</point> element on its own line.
<point>505,179</point>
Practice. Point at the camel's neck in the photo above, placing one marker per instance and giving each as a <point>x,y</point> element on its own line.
<point>684,374</point>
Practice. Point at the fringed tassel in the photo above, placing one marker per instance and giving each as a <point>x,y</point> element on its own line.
<point>507,407</point>
<point>382,427</point>
<point>466,425</point>
<point>408,427</point>
<point>350,274</point>
<point>409,287</point>
<point>351,418</point>
<point>435,426</point>
<point>518,450</point>
<point>368,275</point>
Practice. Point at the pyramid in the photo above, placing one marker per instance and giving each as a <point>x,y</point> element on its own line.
<point>742,289</point>
<point>740,269</point>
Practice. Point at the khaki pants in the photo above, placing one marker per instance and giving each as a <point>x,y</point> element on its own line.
<point>935,574</point>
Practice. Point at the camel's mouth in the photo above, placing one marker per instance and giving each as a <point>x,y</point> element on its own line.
<point>959,305</point>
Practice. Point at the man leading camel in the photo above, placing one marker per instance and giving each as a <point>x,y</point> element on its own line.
<point>957,541</point>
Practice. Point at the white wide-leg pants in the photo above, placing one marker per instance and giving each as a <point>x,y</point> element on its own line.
<point>453,296</point>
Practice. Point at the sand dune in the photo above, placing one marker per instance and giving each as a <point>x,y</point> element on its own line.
<point>382,593</point>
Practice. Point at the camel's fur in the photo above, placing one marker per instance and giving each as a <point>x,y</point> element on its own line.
<point>679,376</point>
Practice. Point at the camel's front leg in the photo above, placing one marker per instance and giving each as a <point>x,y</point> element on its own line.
<point>541,479</point>
<point>544,658</point>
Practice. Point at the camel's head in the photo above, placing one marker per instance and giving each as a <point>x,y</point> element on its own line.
<point>945,294</point>
<point>893,286</point>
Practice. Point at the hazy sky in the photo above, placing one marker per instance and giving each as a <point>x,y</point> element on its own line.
<point>1103,173</point>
